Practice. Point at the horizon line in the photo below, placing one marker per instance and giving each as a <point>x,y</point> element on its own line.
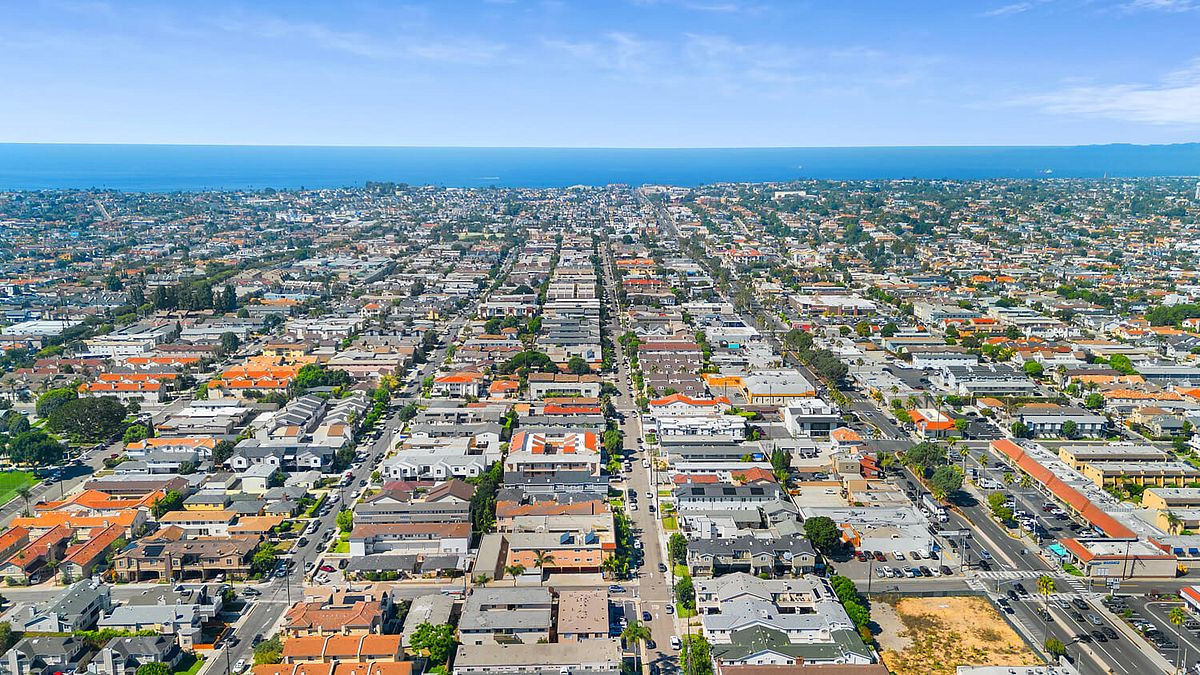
<point>594,147</point>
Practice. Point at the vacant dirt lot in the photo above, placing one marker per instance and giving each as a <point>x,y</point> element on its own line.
<point>932,636</point>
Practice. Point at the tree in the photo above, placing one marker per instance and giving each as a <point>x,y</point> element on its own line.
<point>1094,401</point>
<point>862,328</point>
<point>345,520</point>
<point>229,343</point>
<point>540,560</point>
<point>314,375</point>
<point>222,451</point>
<point>53,400</point>
<point>153,668</point>
<point>677,546</point>
<point>228,300</point>
<point>514,571</point>
<point>1173,521</point>
<point>695,655</point>
<point>1070,428</point>
<point>635,631</point>
<point>780,465</point>
<point>268,651</point>
<point>529,361</point>
<point>685,594</point>
<point>996,502</point>
<point>578,366</point>
<point>925,456</point>
<point>25,493</point>
<point>823,533</point>
<point>889,329</point>
<point>434,640</point>
<point>1177,616</point>
<point>1033,369</point>
<point>1019,429</point>
<point>7,637</point>
<point>611,440</point>
<point>263,560</point>
<point>135,433</point>
<point>1122,364</point>
<point>1054,647</point>
<point>172,501</point>
<point>946,480</point>
<point>88,419</point>
<point>1046,585</point>
<point>35,447</point>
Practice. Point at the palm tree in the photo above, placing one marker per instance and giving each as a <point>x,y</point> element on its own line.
<point>1008,478</point>
<point>1173,522</point>
<point>515,571</point>
<point>1177,616</point>
<point>1046,585</point>
<point>1026,482</point>
<point>24,493</point>
<point>635,631</point>
<point>540,560</point>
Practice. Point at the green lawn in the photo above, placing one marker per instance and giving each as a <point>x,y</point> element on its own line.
<point>668,523</point>
<point>12,481</point>
<point>191,669</point>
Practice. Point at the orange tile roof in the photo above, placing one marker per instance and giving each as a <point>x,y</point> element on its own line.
<point>136,377</point>
<point>683,398</point>
<point>181,441</point>
<point>845,434</point>
<point>1080,503</point>
<point>94,546</point>
<point>102,501</point>
<point>53,519</point>
<point>12,536</point>
<point>460,378</point>
<point>121,386</point>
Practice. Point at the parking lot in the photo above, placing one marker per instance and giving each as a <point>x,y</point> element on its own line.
<point>1093,642</point>
<point>1151,619</point>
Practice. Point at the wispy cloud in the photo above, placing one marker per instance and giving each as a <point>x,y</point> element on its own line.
<point>457,50</point>
<point>1174,100</point>
<point>728,67</point>
<point>715,6</point>
<point>1162,5</point>
<point>1007,10</point>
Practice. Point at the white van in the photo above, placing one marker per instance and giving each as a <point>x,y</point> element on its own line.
<point>676,643</point>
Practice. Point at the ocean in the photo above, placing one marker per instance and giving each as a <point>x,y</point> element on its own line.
<point>167,168</point>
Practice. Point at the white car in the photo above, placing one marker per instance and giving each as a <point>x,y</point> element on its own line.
<point>239,666</point>
<point>645,464</point>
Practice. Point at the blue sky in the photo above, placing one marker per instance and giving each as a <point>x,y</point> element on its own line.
<point>612,73</point>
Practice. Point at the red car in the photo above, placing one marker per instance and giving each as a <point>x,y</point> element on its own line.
<point>326,568</point>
